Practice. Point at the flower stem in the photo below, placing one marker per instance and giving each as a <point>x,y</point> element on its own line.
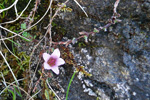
<point>70,84</point>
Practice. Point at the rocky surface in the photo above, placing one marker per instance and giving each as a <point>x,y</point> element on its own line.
<point>118,59</point>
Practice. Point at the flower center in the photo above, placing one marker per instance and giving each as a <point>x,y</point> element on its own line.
<point>52,61</point>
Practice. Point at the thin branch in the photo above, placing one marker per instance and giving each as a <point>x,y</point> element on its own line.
<point>42,38</point>
<point>111,21</point>
<point>9,67</point>
<point>4,82</point>
<point>56,13</point>
<point>38,20</point>
<point>52,90</point>
<point>13,33</point>
<point>30,26</point>
<point>47,29</point>
<point>33,76</point>
<point>35,86</point>
<point>16,10</point>
<point>9,85</point>
<point>29,20</point>
<point>116,5</point>
<point>50,33</point>
<point>9,49</point>
<point>35,94</point>
<point>19,88</point>
<point>81,7</point>
<point>19,15</point>
<point>9,6</point>
<point>31,58</point>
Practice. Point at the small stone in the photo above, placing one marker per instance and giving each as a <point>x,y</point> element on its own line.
<point>134,93</point>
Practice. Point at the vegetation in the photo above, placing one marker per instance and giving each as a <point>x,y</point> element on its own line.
<point>21,25</point>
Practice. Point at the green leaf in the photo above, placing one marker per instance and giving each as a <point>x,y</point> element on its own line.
<point>105,29</point>
<point>27,35</point>
<point>14,95</point>
<point>2,7</point>
<point>74,40</point>
<point>46,94</point>
<point>34,36</point>
<point>86,38</point>
<point>18,92</point>
<point>96,30</point>
<point>23,26</point>
<point>70,84</point>
<point>14,42</point>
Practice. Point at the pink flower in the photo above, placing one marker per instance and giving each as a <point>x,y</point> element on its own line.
<point>53,61</point>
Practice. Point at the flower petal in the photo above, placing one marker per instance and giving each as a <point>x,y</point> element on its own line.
<point>55,70</point>
<point>47,66</point>
<point>46,56</point>
<point>56,53</point>
<point>60,61</point>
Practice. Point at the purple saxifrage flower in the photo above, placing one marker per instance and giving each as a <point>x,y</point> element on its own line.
<point>53,61</point>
